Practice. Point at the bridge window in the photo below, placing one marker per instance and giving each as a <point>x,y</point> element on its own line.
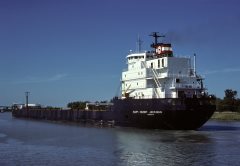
<point>162,62</point>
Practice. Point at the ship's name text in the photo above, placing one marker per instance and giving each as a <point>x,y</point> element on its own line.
<point>147,112</point>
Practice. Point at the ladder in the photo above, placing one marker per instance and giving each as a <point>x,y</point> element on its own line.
<point>155,78</point>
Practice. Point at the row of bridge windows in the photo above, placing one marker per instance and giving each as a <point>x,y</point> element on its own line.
<point>160,63</point>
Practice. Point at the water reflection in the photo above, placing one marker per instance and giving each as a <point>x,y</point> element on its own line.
<point>143,147</point>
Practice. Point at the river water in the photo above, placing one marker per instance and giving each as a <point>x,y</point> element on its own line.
<point>30,142</point>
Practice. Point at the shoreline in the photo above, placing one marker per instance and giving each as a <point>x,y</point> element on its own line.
<point>226,116</point>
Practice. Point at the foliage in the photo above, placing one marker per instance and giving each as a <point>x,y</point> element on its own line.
<point>81,104</point>
<point>77,105</point>
<point>52,108</point>
<point>230,102</point>
<point>230,94</point>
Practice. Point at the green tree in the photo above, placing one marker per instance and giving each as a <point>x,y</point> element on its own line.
<point>229,102</point>
<point>230,94</point>
<point>77,104</point>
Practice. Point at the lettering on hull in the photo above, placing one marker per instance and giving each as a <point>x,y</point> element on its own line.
<point>147,112</point>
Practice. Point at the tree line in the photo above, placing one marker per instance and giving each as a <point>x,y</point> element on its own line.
<point>81,104</point>
<point>230,102</point>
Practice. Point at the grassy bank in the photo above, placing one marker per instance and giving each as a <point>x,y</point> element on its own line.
<point>226,116</point>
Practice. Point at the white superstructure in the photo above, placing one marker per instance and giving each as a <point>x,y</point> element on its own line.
<point>158,74</point>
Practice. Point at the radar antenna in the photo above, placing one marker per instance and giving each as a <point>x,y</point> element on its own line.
<point>156,36</point>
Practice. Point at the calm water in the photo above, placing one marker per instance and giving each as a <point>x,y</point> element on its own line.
<point>29,142</point>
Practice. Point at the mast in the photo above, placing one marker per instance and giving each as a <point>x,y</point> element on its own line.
<point>161,49</point>
<point>156,36</point>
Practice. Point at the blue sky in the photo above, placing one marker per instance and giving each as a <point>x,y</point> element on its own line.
<point>69,50</point>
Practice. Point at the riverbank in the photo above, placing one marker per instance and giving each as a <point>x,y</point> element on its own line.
<point>226,116</point>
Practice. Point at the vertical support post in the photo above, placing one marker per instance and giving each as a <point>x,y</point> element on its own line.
<point>26,94</point>
<point>194,64</point>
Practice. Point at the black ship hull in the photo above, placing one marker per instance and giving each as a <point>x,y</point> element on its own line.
<point>173,114</point>
<point>176,114</point>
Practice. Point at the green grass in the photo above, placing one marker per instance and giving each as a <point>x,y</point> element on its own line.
<point>226,116</point>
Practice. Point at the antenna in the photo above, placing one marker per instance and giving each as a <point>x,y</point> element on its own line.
<point>156,36</point>
<point>139,44</point>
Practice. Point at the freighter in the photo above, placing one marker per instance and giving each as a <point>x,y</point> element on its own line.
<point>162,91</point>
<point>158,91</point>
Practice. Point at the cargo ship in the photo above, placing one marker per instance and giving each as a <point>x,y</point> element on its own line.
<point>162,91</point>
<point>158,91</point>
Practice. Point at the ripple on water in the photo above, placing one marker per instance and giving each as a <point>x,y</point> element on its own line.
<point>2,135</point>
